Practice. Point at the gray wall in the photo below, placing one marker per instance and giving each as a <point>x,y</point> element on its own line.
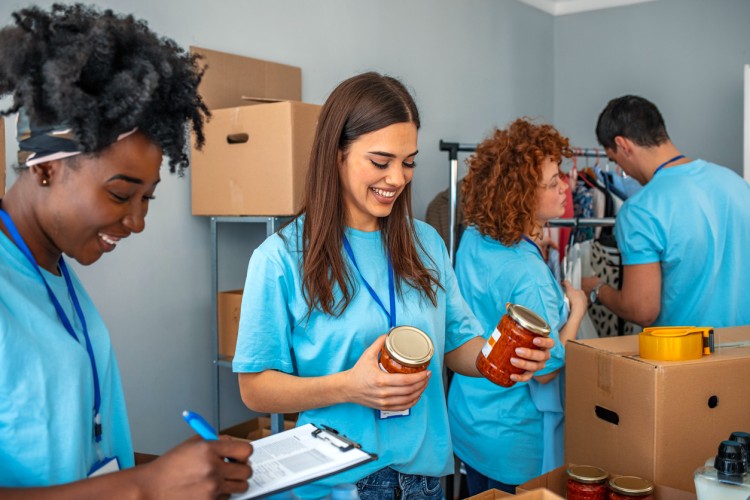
<point>472,65</point>
<point>686,56</point>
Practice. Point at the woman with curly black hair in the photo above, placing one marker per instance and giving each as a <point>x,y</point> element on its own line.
<point>100,98</point>
<point>512,188</point>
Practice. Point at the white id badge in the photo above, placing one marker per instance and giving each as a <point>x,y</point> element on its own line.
<point>383,414</point>
<point>105,466</point>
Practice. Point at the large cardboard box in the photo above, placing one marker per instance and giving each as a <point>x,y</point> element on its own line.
<point>228,307</point>
<point>538,494</point>
<point>255,159</point>
<point>654,419</point>
<point>556,481</point>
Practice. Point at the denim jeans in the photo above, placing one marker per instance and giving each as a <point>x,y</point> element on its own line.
<point>388,484</point>
<point>477,482</point>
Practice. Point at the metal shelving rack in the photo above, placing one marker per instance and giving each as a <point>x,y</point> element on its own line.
<point>222,362</point>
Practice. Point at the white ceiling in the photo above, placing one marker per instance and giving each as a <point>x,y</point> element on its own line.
<point>562,7</point>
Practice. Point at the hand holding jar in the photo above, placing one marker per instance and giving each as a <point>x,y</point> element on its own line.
<point>516,336</point>
<point>369,385</point>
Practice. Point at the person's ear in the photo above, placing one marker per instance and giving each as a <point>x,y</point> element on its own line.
<point>623,145</point>
<point>43,173</point>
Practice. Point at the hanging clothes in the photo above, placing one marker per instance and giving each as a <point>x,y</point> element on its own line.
<point>606,263</point>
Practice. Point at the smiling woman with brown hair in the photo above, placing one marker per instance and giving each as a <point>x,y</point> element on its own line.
<point>321,294</point>
<point>100,98</point>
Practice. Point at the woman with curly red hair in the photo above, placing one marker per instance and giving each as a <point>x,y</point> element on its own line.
<point>505,436</point>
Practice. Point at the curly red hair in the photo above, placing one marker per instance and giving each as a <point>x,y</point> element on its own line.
<point>500,189</point>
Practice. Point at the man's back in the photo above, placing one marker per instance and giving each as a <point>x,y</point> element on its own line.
<point>695,220</point>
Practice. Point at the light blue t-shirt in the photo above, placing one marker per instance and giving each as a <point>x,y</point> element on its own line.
<point>498,431</point>
<point>46,382</point>
<point>274,319</point>
<point>694,219</point>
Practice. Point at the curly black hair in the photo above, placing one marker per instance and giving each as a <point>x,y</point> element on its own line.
<point>102,74</point>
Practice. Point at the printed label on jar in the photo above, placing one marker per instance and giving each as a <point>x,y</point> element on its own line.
<point>487,349</point>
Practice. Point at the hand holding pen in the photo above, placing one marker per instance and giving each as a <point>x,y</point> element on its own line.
<point>198,468</point>
<point>203,428</point>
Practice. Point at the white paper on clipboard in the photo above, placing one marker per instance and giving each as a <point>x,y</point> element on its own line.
<point>291,458</point>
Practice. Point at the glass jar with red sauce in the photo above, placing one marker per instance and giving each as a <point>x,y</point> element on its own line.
<point>586,483</point>
<point>630,488</point>
<point>406,350</point>
<point>517,328</point>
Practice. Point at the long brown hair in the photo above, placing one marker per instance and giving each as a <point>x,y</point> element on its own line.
<point>500,188</point>
<point>360,105</point>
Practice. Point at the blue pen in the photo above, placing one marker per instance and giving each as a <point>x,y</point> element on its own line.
<point>200,425</point>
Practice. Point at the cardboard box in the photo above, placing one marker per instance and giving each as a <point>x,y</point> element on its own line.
<point>228,307</point>
<point>654,419</point>
<point>255,159</point>
<point>259,427</point>
<point>538,494</point>
<point>556,481</point>
<point>228,77</point>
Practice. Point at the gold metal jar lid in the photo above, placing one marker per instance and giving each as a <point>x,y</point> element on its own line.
<point>587,474</point>
<point>631,485</point>
<point>409,346</point>
<point>528,319</point>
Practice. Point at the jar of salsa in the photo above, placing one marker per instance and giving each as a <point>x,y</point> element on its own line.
<point>406,350</point>
<point>517,328</point>
<point>630,487</point>
<point>586,483</point>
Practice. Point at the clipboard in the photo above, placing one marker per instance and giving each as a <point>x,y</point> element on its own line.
<point>299,456</point>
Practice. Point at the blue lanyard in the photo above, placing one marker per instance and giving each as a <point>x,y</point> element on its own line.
<point>16,237</point>
<point>535,245</point>
<point>391,291</point>
<point>678,157</point>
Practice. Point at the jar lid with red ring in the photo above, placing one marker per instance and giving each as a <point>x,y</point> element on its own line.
<point>528,319</point>
<point>631,485</point>
<point>587,474</point>
<point>409,346</point>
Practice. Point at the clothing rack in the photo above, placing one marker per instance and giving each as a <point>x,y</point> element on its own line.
<point>453,148</point>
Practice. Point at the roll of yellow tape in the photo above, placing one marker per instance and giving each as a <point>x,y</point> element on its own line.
<point>675,343</point>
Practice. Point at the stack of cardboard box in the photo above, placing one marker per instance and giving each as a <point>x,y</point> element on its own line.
<point>258,141</point>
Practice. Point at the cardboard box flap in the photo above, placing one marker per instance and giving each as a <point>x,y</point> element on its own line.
<point>731,343</point>
<point>229,76</point>
<point>537,494</point>
<point>250,100</point>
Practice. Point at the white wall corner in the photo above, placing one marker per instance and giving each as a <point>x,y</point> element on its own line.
<point>563,7</point>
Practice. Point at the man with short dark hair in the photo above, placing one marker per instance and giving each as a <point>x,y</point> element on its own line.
<point>684,237</point>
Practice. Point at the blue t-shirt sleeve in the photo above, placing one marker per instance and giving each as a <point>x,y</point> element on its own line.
<point>264,337</point>
<point>639,237</point>
<point>543,301</point>
<point>460,324</point>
